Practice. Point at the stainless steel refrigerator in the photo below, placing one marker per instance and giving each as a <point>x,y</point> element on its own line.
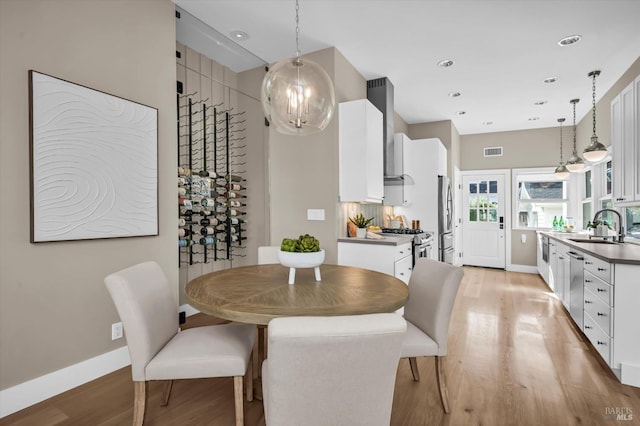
<point>445,220</point>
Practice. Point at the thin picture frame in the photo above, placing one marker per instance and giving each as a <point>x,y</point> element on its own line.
<point>93,163</point>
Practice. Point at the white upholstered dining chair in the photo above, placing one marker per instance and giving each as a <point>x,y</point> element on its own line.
<point>268,255</point>
<point>432,291</point>
<point>149,314</point>
<point>332,370</point>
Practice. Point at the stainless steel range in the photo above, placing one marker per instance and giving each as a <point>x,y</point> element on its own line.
<point>422,241</point>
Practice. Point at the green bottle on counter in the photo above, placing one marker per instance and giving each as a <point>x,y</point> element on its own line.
<point>555,223</point>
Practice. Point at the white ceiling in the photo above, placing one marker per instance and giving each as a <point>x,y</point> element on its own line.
<point>503,50</point>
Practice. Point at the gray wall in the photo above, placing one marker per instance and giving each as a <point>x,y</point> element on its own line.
<point>54,308</point>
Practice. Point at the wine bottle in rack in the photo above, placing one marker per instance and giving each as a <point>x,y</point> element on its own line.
<point>185,242</point>
<point>183,192</point>
<point>183,180</point>
<point>183,232</point>
<point>207,202</point>
<point>235,203</point>
<point>221,209</point>
<point>233,178</point>
<point>207,173</point>
<point>184,171</point>
<point>207,230</point>
<point>186,202</point>
<point>207,241</point>
<point>236,221</point>
<point>234,186</point>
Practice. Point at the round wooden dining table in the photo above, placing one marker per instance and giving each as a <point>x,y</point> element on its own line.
<point>256,294</point>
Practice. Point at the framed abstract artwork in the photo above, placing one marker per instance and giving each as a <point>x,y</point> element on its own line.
<point>93,163</point>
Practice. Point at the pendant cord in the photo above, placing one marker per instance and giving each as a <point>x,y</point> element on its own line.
<point>297,30</point>
<point>594,104</point>
<point>574,128</point>
<point>561,121</point>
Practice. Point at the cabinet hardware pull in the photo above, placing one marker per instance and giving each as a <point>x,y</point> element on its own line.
<point>602,269</point>
<point>401,273</point>
<point>600,314</point>
<point>588,263</point>
<point>587,281</point>
<point>600,343</point>
<point>588,327</point>
<point>601,289</point>
<point>588,301</point>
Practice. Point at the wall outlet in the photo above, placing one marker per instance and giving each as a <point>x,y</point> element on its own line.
<point>116,331</point>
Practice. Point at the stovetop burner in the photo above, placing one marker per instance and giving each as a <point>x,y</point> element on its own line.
<point>401,231</point>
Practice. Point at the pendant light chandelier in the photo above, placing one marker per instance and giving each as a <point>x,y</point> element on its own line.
<point>297,94</point>
<point>595,151</point>
<point>561,171</point>
<point>575,163</point>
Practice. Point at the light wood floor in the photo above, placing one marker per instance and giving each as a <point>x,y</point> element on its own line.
<point>514,359</point>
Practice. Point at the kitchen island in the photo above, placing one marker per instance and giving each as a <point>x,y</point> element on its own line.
<point>599,284</point>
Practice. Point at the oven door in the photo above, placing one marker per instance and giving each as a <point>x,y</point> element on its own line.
<point>423,250</point>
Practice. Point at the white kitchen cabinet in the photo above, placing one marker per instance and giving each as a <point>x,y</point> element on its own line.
<point>360,156</point>
<point>625,137</point>
<point>395,260</point>
<point>563,282</point>
<point>553,264</point>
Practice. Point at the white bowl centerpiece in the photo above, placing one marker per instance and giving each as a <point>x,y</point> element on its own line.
<point>304,252</point>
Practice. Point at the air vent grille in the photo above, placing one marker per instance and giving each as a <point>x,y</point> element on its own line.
<point>494,151</point>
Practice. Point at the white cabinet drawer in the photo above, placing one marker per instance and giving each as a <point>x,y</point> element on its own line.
<point>403,269</point>
<point>598,287</point>
<point>600,311</point>
<point>599,268</point>
<point>402,250</point>
<point>598,338</point>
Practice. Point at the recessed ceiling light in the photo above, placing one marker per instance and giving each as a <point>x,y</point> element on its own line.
<point>551,80</point>
<point>454,94</point>
<point>461,112</point>
<point>572,39</point>
<point>534,118</point>
<point>540,102</point>
<point>238,35</point>
<point>487,123</point>
<point>446,63</point>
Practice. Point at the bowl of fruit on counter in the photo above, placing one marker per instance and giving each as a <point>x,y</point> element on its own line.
<point>303,252</point>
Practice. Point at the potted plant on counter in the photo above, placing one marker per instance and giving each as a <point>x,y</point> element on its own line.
<point>361,222</point>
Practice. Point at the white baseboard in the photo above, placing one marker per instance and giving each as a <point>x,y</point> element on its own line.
<point>28,393</point>
<point>527,269</point>
<point>630,374</point>
<point>188,309</point>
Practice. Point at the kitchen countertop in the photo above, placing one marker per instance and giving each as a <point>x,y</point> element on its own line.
<point>612,253</point>
<point>388,240</point>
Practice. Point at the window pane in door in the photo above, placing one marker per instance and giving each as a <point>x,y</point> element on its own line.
<point>473,201</point>
<point>473,188</point>
<point>483,215</point>
<point>473,215</point>
<point>587,184</point>
<point>493,187</point>
<point>493,201</point>
<point>493,215</point>
<point>632,222</point>
<point>483,187</point>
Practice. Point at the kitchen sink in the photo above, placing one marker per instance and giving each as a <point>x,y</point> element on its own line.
<point>592,241</point>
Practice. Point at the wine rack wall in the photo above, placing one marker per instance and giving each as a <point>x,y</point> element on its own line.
<point>211,184</point>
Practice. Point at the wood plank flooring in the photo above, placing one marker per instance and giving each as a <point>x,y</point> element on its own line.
<point>514,358</point>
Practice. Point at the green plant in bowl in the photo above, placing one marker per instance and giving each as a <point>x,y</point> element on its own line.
<point>360,221</point>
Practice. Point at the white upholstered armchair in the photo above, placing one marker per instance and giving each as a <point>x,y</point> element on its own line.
<point>332,370</point>
<point>432,291</point>
<point>158,351</point>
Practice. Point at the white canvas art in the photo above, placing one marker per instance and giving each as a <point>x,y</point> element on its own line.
<point>94,167</point>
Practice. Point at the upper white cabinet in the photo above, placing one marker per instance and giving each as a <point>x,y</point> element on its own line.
<point>625,134</point>
<point>361,152</point>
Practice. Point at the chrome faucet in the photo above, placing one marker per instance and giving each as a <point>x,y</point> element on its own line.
<point>620,227</point>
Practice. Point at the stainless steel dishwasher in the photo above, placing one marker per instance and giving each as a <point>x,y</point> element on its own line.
<point>576,288</point>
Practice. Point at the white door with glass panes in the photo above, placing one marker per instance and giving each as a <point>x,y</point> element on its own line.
<point>484,221</point>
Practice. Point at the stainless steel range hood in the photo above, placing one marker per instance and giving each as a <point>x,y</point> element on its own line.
<point>380,94</point>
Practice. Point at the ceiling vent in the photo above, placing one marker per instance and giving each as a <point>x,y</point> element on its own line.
<point>494,151</point>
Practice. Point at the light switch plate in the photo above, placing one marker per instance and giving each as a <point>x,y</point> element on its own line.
<point>315,214</point>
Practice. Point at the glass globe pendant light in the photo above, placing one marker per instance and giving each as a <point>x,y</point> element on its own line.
<point>575,163</point>
<point>561,171</point>
<point>297,94</point>
<point>595,151</point>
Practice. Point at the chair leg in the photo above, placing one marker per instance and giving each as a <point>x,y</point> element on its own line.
<point>238,397</point>
<point>414,369</point>
<point>166,394</point>
<point>248,380</point>
<point>139,402</point>
<point>442,387</point>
